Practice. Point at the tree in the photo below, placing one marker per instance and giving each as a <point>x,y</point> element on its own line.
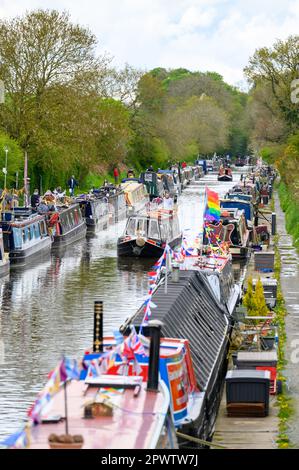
<point>37,51</point>
<point>278,67</point>
<point>260,301</point>
<point>249,299</point>
<point>14,160</point>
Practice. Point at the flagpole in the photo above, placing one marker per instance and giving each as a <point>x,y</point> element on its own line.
<point>65,410</point>
<point>166,265</point>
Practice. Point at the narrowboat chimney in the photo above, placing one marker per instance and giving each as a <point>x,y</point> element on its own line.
<point>153,367</point>
<point>98,326</point>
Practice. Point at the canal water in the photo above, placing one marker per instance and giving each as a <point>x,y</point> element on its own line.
<point>47,310</point>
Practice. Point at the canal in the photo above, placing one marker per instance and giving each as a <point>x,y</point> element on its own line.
<point>47,310</point>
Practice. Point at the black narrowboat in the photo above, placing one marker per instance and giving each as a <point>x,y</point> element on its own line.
<point>95,211</point>
<point>190,309</point>
<point>66,225</point>
<point>147,233</point>
<point>25,236</point>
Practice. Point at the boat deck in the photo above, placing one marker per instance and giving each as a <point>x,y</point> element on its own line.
<point>134,423</point>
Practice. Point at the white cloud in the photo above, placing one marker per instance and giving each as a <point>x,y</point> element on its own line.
<point>217,35</point>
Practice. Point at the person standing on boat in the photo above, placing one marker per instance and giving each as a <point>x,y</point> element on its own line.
<point>116,175</point>
<point>168,202</point>
<point>35,200</point>
<point>130,174</point>
<point>72,183</point>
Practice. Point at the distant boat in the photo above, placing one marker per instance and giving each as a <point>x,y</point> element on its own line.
<point>147,233</point>
<point>225,174</point>
<point>25,235</point>
<point>241,162</point>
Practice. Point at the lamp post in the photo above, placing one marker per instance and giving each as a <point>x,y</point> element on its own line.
<point>5,169</point>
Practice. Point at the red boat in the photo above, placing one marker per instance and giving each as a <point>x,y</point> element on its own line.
<point>225,174</point>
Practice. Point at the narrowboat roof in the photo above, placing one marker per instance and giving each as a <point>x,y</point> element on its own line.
<point>131,185</point>
<point>141,417</point>
<point>23,221</point>
<point>189,309</point>
<point>233,213</point>
<point>159,214</point>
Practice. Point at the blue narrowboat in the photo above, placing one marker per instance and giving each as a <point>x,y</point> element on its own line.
<point>25,236</point>
<point>236,203</point>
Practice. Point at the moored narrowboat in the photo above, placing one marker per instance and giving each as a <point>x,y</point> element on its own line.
<point>225,174</point>
<point>171,182</point>
<point>153,184</point>
<point>95,211</point>
<point>66,225</point>
<point>189,309</point>
<point>136,195</point>
<point>232,230</point>
<point>25,236</point>
<point>147,233</point>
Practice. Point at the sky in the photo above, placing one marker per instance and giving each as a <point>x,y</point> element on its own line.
<point>215,35</point>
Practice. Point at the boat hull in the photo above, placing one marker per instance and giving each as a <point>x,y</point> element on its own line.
<point>21,258</point>
<point>225,178</point>
<point>70,237</point>
<point>148,250</point>
<point>239,252</point>
<point>93,225</point>
<point>4,269</point>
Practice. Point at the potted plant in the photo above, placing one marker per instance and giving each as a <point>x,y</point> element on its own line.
<point>65,441</point>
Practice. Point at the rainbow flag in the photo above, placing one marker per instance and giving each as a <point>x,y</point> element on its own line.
<point>212,207</point>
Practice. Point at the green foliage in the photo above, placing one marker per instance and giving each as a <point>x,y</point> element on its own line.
<point>249,299</point>
<point>290,204</point>
<point>254,299</point>
<point>260,302</point>
<point>14,161</point>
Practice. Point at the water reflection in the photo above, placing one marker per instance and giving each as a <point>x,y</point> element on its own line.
<point>47,310</point>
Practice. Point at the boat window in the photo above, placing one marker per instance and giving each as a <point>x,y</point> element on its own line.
<point>31,228</point>
<point>154,230</point>
<point>37,230</point>
<point>141,228</point>
<point>72,219</point>
<point>42,227</point>
<point>131,227</point>
<point>24,235</point>
<point>17,234</point>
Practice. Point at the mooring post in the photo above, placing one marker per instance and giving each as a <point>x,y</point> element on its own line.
<point>273,224</point>
<point>98,326</point>
<point>153,366</point>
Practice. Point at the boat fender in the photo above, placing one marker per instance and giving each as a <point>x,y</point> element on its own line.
<point>53,219</point>
<point>140,241</point>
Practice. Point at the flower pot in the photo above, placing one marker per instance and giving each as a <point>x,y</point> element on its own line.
<point>66,445</point>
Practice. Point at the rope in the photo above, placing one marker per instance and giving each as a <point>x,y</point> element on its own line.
<point>200,441</point>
